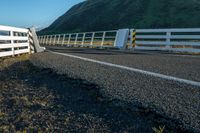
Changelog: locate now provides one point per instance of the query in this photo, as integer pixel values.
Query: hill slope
(93, 15)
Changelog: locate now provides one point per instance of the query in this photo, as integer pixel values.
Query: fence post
(69, 39)
(58, 41)
(29, 42)
(54, 41)
(92, 39)
(116, 38)
(76, 39)
(103, 39)
(44, 40)
(47, 40)
(134, 45)
(83, 40)
(63, 41)
(168, 40)
(132, 38)
(41, 39)
(12, 42)
(50, 39)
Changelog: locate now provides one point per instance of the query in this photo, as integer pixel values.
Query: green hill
(93, 15)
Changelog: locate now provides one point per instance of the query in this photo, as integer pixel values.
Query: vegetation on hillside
(93, 15)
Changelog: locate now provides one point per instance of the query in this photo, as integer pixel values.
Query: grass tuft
(159, 130)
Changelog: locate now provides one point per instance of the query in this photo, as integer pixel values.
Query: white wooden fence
(176, 40)
(13, 41)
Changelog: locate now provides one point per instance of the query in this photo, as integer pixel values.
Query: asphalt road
(183, 66)
(179, 101)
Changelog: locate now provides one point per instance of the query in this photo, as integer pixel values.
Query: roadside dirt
(39, 100)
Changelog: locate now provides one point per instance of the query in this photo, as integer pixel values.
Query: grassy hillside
(93, 15)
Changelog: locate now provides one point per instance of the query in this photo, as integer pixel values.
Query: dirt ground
(39, 100)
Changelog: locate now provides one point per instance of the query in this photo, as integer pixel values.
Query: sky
(38, 13)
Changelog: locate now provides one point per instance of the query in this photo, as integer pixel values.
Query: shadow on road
(39, 99)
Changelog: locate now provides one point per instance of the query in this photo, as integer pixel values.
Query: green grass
(94, 15)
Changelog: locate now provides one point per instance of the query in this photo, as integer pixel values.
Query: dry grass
(8, 61)
(159, 130)
(2, 115)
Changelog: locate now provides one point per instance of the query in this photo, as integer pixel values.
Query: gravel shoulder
(39, 100)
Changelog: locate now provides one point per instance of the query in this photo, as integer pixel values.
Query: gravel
(178, 102)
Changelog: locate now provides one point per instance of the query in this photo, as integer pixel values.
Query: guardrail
(13, 41)
(176, 40)
(91, 39)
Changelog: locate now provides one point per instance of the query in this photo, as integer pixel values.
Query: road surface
(167, 84)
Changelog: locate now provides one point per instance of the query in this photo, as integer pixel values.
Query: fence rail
(13, 41)
(92, 39)
(177, 40)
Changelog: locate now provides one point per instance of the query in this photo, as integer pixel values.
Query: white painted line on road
(190, 82)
